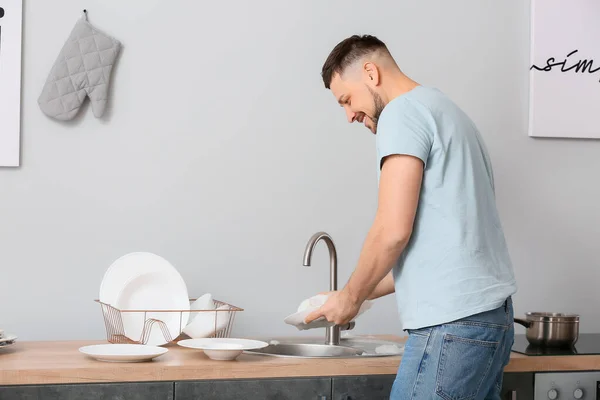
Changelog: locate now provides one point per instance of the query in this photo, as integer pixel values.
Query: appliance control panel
(567, 386)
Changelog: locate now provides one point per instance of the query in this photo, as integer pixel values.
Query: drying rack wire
(116, 333)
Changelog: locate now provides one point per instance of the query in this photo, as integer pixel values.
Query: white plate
(309, 305)
(127, 267)
(9, 337)
(157, 290)
(123, 352)
(225, 349)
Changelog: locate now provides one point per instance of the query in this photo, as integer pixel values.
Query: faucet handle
(347, 327)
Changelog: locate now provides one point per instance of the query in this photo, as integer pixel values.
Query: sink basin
(316, 348)
(308, 350)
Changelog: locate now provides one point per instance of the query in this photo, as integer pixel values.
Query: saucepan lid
(551, 317)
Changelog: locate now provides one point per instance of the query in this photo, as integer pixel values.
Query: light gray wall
(223, 153)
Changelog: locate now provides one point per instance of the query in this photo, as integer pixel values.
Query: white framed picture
(564, 95)
(11, 14)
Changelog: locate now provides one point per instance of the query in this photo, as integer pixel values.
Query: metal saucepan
(545, 329)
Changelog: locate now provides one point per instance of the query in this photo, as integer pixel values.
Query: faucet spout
(333, 332)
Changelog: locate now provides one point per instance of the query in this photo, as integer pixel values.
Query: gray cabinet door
(517, 386)
(255, 389)
(92, 391)
(372, 387)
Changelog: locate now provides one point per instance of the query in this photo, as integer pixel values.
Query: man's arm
(399, 188)
(383, 288)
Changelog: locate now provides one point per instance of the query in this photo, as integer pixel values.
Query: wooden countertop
(61, 362)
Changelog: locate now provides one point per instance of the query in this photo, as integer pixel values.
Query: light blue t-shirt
(456, 263)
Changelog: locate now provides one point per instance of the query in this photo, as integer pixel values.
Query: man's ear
(371, 74)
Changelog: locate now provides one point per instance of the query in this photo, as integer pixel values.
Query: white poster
(10, 82)
(565, 69)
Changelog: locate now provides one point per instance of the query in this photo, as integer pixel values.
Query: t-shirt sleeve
(404, 129)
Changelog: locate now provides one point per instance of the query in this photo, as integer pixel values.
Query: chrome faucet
(333, 332)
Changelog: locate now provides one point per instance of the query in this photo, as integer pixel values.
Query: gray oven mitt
(83, 68)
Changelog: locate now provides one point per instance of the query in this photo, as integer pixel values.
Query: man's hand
(339, 308)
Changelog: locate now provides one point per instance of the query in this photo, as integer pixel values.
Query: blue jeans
(464, 359)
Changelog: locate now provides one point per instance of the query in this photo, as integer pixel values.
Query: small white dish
(311, 304)
(123, 352)
(9, 337)
(222, 349)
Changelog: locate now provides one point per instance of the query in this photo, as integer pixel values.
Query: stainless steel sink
(316, 348)
(333, 345)
(309, 350)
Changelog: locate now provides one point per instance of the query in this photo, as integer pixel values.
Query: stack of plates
(6, 339)
(146, 281)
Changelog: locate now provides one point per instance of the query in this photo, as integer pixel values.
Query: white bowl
(204, 302)
(208, 323)
(223, 352)
(222, 349)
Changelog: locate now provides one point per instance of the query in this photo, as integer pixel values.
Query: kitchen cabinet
(255, 389)
(371, 387)
(517, 386)
(92, 391)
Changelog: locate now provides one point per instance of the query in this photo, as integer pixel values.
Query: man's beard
(378, 106)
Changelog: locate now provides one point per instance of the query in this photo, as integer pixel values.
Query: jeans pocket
(420, 332)
(463, 366)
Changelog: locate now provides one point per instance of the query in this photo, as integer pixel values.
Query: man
(436, 239)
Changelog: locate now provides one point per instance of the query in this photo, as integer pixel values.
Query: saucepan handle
(523, 322)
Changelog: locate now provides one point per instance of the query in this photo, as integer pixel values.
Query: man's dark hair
(346, 52)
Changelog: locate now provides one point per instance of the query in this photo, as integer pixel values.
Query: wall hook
(85, 14)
